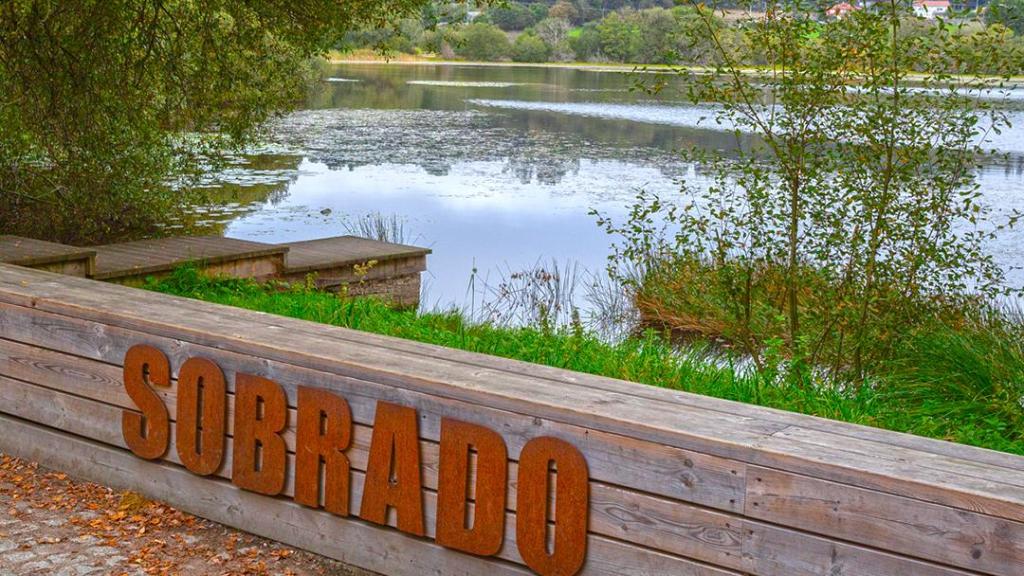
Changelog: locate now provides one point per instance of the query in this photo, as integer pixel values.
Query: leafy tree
(512, 16)
(693, 44)
(105, 104)
(486, 42)
(660, 33)
(621, 36)
(528, 47)
(849, 213)
(1009, 13)
(540, 11)
(587, 44)
(563, 10)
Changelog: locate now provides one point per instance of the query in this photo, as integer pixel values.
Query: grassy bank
(369, 56)
(959, 386)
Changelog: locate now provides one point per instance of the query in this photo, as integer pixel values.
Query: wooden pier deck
(357, 265)
(48, 256)
(227, 256)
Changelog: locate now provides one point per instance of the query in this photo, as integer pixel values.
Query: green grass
(963, 385)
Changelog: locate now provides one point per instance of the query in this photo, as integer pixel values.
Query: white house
(931, 8)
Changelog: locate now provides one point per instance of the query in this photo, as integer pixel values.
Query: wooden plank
(101, 422)
(619, 514)
(734, 437)
(977, 542)
(341, 251)
(164, 254)
(23, 251)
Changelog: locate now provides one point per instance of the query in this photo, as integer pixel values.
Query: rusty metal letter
(146, 434)
(323, 432)
(488, 524)
(395, 439)
(202, 411)
(571, 506)
(261, 414)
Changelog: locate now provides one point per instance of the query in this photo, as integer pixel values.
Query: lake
(494, 168)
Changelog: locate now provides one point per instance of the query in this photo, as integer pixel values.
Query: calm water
(493, 168)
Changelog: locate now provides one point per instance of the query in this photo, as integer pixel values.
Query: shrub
(513, 16)
(586, 45)
(486, 42)
(530, 48)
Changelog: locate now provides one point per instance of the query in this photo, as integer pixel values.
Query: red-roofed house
(840, 10)
(931, 8)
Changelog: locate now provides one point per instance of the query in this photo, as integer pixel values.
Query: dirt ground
(54, 525)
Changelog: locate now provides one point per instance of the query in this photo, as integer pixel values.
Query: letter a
(488, 525)
(395, 439)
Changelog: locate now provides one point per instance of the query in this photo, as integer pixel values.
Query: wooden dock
(358, 265)
(48, 256)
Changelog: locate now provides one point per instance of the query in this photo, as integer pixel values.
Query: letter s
(146, 434)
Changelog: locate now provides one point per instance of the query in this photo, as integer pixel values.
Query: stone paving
(53, 525)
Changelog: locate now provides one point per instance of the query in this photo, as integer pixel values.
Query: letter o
(571, 506)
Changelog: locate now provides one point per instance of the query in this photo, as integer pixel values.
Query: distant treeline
(633, 31)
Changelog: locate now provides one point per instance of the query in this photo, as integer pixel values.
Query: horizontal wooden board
(164, 254)
(956, 537)
(31, 252)
(340, 251)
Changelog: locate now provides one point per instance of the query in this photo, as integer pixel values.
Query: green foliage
(480, 41)
(660, 36)
(853, 216)
(529, 47)
(1009, 13)
(923, 409)
(586, 45)
(621, 37)
(108, 108)
(972, 372)
(512, 16)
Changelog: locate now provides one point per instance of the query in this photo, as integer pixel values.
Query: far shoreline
(371, 58)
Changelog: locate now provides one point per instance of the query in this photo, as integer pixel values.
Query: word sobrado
(323, 475)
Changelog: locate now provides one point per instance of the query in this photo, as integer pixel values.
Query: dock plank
(340, 251)
(22, 251)
(165, 254)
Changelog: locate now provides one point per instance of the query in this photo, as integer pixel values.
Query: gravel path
(51, 524)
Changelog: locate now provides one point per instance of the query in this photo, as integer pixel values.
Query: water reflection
(492, 167)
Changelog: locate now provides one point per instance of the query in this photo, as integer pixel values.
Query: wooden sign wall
(409, 459)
